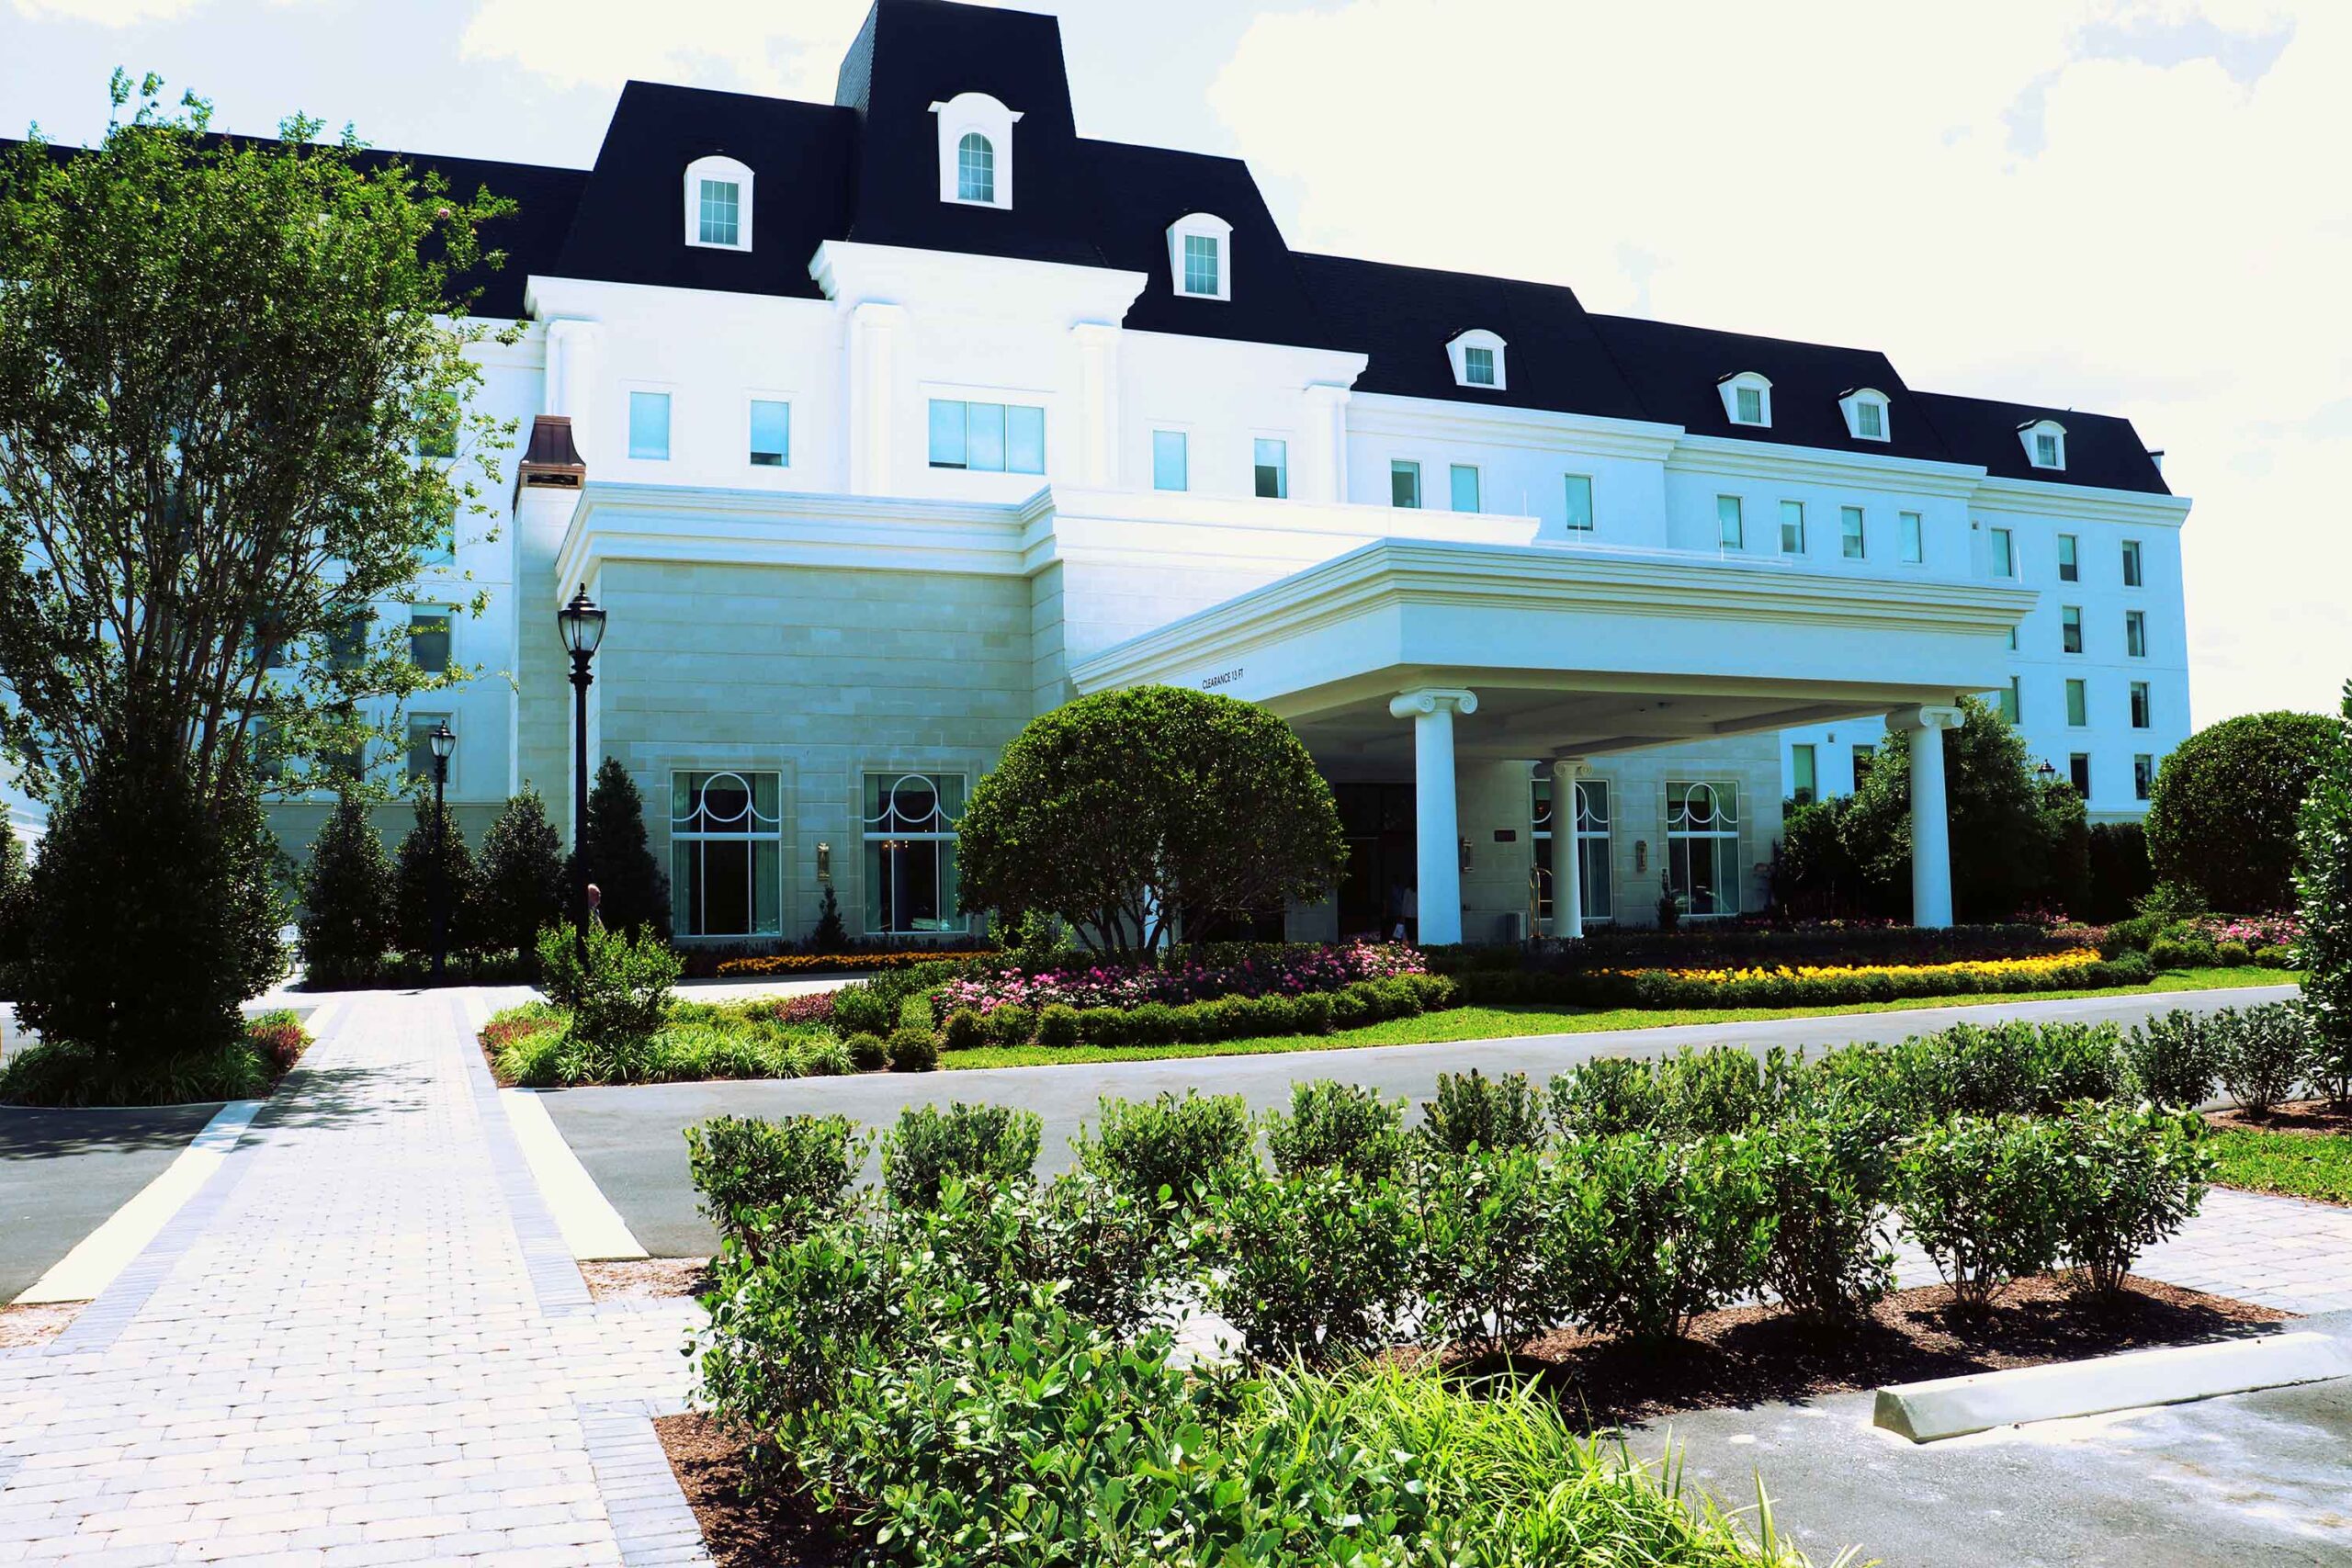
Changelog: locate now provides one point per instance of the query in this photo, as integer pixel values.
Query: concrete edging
(2173, 1375)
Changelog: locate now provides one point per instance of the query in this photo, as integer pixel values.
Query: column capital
(1432, 699)
(1567, 767)
(1926, 719)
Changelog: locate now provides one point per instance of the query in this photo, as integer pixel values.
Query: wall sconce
(1465, 857)
(1640, 855)
(824, 862)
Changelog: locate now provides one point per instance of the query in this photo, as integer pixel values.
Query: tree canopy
(1122, 812)
(234, 384)
(2323, 881)
(2222, 819)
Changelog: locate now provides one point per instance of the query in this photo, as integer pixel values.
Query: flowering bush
(767, 966)
(280, 1038)
(2254, 931)
(1996, 971)
(1189, 975)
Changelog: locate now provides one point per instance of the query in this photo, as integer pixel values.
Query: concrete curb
(2174, 1375)
(592, 1227)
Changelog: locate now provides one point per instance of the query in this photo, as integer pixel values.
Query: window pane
(421, 727)
(2003, 560)
(2010, 701)
(2130, 563)
(1914, 550)
(2069, 569)
(2078, 773)
(1024, 440)
(1168, 461)
(2143, 776)
(649, 425)
(1750, 402)
(428, 637)
(1850, 531)
(1405, 484)
(946, 434)
(2070, 627)
(1272, 460)
(975, 169)
(984, 437)
(1478, 365)
(1579, 504)
(1801, 769)
(2136, 634)
(1792, 527)
(770, 433)
(1465, 488)
(2078, 703)
(2140, 705)
(1870, 419)
(2045, 451)
(1731, 533)
(721, 211)
(1201, 264)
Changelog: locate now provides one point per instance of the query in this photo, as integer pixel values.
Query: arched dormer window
(1747, 398)
(2045, 442)
(1200, 256)
(1477, 356)
(1865, 411)
(974, 151)
(718, 204)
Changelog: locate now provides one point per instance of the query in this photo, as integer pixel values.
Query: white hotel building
(881, 426)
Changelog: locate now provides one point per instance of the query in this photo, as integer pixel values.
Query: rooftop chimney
(550, 461)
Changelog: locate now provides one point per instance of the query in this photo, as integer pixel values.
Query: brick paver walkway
(363, 1342)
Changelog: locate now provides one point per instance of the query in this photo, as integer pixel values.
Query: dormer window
(1200, 256)
(2045, 442)
(1478, 361)
(1747, 398)
(718, 204)
(1865, 409)
(974, 151)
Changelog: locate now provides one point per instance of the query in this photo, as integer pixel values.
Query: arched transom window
(974, 151)
(976, 169)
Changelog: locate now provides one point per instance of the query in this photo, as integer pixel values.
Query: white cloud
(788, 48)
(2122, 205)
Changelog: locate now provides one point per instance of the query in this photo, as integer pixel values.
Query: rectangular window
(910, 826)
(1792, 527)
(1730, 532)
(1271, 459)
(2045, 451)
(421, 727)
(770, 433)
(2070, 568)
(1403, 484)
(1801, 779)
(1914, 545)
(2010, 701)
(987, 438)
(1465, 488)
(2013, 639)
(1850, 531)
(1870, 420)
(2005, 558)
(2078, 774)
(428, 637)
(2130, 563)
(1749, 401)
(720, 214)
(1171, 469)
(2143, 776)
(649, 426)
(441, 550)
(2070, 627)
(1478, 365)
(726, 854)
(1702, 846)
(347, 642)
(1200, 265)
(2078, 705)
(1579, 488)
(2135, 633)
(2142, 716)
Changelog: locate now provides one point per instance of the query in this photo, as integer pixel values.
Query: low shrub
(2082, 970)
(1979, 1194)
(1336, 1127)
(913, 1051)
(964, 1032)
(1606, 1096)
(992, 1144)
(2173, 1059)
(860, 1009)
(67, 1073)
(1654, 1232)
(1010, 1026)
(278, 1037)
(1719, 1090)
(766, 1184)
(2125, 1177)
(1825, 1179)
(867, 1053)
(1314, 1267)
(1492, 1113)
(2263, 1054)
(618, 988)
(1486, 1245)
(822, 1057)
(1057, 1025)
(1186, 1145)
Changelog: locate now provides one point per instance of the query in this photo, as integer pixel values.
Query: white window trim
(757, 829)
(1478, 478)
(791, 428)
(2026, 433)
(1282, 438)
(1206, 226)
(1730, 387)
(1852, 403)
(867, 834)
(1921, 519)
(1457, 352)
(1155, 430)
(960, 116)
(718, 166)
(669, 391)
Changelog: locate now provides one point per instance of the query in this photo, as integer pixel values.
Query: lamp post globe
(443, 741)
(581, 622)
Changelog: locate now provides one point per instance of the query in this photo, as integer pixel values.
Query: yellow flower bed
(2008, 969)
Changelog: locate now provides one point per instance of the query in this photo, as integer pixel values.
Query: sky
(2135, 207)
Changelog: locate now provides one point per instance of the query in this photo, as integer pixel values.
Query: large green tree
(1119, 813)
(433, 870)
(518, 888)
(2323, 881)
(632, 886)
(232, 383)
(2222, 820)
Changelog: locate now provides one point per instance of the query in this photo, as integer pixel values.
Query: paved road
(2250, 1481)
(62, 1172)
(630, 1139)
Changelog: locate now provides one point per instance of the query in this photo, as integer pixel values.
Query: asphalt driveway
(631, 1139)
(63, 1173)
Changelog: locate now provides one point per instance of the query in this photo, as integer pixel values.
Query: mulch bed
(2315, 1117)
(1752, 1355)
(646, 1279)
(36, 1323)
(739, 1532)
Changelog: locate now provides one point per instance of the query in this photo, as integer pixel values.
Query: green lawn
(2300, 1165)
(1506, 1023)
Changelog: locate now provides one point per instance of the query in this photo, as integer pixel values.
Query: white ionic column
(1930, 821)
(1322, 472)
(1567, 866)
(1098, 389)
(1437, 832)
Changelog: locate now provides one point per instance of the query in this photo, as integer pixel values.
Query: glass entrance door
(1378, 822)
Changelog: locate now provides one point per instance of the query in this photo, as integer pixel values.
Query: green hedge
(1228, 1017)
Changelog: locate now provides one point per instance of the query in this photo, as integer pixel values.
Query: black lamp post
(582, 622)
(443, 741)
(2046, 771)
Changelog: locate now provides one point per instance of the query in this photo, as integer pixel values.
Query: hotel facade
(881, 426)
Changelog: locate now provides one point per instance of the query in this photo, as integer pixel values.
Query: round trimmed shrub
(1058, 1025)
(967, 1030)
(914, 1051)
(2222, 821)
(866, 1052)
(1009, 1025)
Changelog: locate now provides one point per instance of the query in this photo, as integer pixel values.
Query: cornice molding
(1814, 465)
(1387, 413)
(2039, 498)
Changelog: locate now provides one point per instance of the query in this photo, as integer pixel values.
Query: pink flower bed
(1257, 972)
(2254, 931)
